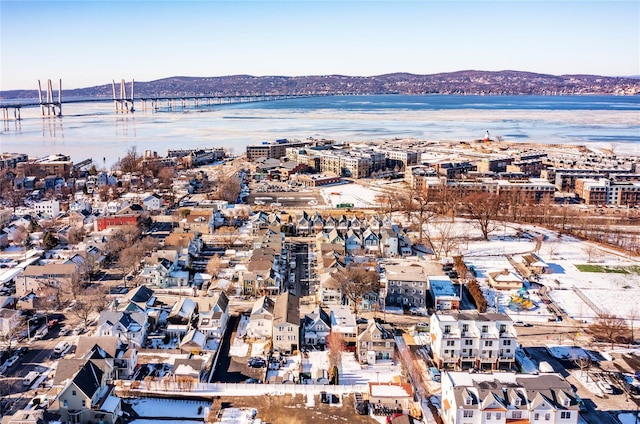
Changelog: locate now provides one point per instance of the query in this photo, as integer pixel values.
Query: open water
(94, 130)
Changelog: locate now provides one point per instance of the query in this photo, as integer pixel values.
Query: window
(468, 342)
(65, 403)
(547, 416)
(73, 392)
(507, 342)
(516, 414)
(447, 329)
(84, 403)
(488, 343)
(488, 416)
(536, 416)
(465, 327)
(451, 342)
(485, 328)
(498, 415)
(565, 415)
(467, 414)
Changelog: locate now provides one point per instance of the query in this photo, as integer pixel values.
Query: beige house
(505, 280)
(286, 323)
(395, 396)
(85, 398)
(46, 280)
(375, 343)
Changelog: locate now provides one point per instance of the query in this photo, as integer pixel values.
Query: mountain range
(461, 82)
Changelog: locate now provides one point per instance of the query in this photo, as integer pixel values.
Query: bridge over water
(124, 103)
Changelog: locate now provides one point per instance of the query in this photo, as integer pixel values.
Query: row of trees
(429, 211)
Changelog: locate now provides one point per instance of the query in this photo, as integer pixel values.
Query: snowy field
(356, 194)
(615, 293)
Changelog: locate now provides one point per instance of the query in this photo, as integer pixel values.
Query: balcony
(488, 336)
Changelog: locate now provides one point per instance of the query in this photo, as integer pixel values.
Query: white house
(129, 327)
(49, 208)
(503, 398)
(153, 202)
(469, 339)
(261, 319)
(316, 327)
(213, 323)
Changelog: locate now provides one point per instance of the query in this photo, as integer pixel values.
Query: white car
(78, 330)
(64, 331)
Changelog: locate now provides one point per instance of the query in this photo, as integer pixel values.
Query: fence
(165, 388)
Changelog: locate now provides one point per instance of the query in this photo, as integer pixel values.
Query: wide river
(94, 130)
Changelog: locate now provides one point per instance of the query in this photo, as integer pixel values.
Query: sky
(88, 43)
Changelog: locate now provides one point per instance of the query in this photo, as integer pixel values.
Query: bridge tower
(49, 107)
(122, 103)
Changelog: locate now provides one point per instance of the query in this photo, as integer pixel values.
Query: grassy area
(608, 269)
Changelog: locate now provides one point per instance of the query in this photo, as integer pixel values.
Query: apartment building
(407, 286)
(502, 398)
(606, 192)
(467, 339)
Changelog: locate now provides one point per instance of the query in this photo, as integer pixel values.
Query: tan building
(286, 323)
(505, 280)
(375, 343)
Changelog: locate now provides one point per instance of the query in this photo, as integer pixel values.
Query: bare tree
(356, 281)
(416, 205)
(582, 361)
(609, 327)
(592, 253)
(633, 315)
(229, 188)
(228, 235)
(214, 266)
(8, 337)
(335, 345)
(130, 162)
(484, 209)
(442, 236)
(75, 235)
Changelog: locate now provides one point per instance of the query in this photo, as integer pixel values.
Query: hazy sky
(89, 43)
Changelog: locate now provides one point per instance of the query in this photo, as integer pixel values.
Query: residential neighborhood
(358, 292)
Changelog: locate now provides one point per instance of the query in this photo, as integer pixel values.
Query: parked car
(22, 351)
(64, 331)
(605, 387)
(12, 361)
(522, 324)
(256, 363)
(78, 330)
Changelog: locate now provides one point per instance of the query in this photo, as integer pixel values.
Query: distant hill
(462, 82)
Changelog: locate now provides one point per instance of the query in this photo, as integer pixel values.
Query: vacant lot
(289, 409)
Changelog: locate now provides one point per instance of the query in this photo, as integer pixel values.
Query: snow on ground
(257, 349)
(610, 292)
(170, 408)
(238, 347)
(588, 382)
(356, 194)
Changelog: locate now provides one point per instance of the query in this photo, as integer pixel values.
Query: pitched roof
(89, 379)
(287, 309)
